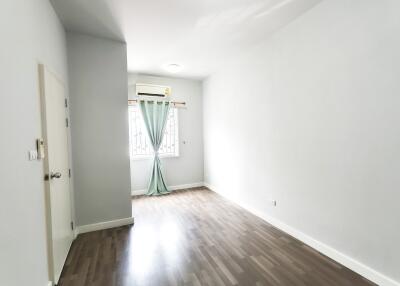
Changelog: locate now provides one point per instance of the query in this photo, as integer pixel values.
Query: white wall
(30, 34)
(188, 167)
(311, 119)
(99, 126)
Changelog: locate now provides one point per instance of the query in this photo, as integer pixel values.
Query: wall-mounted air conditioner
(153, 91)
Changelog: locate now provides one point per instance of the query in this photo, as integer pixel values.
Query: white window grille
(139, 142)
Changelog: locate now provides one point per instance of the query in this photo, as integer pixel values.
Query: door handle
(56, 175)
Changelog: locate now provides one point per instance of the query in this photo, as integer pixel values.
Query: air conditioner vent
(152, 91)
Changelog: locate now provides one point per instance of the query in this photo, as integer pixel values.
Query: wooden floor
(197, 238)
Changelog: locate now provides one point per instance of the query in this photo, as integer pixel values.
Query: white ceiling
(200, 35)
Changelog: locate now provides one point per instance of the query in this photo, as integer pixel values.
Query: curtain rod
(173, 102)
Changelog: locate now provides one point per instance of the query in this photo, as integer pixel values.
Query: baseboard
(172, 188)
(332, 253)
(75, 232)
(49, 283)
(138, 192)
(104, 225)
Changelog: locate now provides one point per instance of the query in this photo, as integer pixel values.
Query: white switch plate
(33, 155)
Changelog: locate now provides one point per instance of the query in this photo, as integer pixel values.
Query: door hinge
(72, 225)
(66, 103)
(66, 122)
(69, 173)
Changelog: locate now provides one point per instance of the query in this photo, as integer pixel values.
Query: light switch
(33, 155)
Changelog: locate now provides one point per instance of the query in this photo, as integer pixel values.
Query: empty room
(200, 142)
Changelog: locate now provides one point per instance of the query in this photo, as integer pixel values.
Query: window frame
(151, 156)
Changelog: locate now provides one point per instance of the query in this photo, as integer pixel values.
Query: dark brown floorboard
(196, 237)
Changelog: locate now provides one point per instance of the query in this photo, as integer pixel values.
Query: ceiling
(200, 35)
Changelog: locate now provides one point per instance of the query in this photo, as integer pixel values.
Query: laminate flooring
(195, 237)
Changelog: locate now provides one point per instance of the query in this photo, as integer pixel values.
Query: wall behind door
(30, 34)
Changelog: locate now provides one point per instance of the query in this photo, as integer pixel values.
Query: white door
(56, 167)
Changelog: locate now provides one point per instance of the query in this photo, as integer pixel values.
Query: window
(139, 142)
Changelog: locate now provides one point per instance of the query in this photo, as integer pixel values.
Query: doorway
(56, 170)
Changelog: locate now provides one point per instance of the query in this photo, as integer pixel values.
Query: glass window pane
(139, 143)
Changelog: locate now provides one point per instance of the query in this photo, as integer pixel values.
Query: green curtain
(155, 117)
